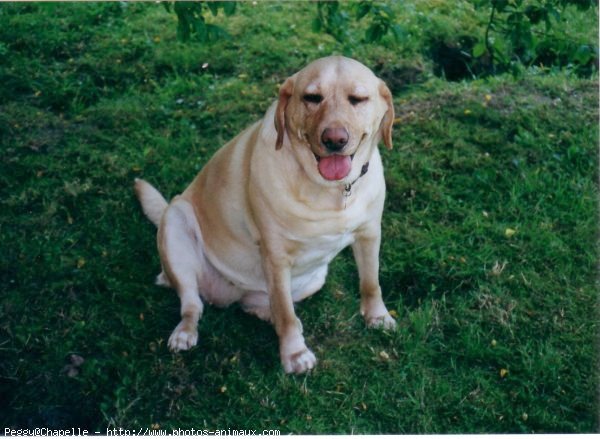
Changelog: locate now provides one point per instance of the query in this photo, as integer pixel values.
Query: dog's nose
(334, 139)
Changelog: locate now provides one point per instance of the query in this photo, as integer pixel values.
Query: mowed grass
(489, 254)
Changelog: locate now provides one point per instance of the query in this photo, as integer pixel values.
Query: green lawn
(489, 255)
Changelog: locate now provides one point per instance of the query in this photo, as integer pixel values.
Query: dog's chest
(322, 234)
(317, 251)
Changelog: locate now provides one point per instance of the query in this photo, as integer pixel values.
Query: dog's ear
(387, 123)
(285, 92)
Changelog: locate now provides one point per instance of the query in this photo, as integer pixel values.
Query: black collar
(348, 187)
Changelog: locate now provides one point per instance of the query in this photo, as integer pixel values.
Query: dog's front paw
(385, 321)
(184, 337)
(299, 362)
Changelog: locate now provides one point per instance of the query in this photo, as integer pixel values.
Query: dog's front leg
(366, 254)
(295, 356)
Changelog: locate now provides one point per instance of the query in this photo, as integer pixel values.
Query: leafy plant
(334, 20)
(520, 33)
(191, 19)
(331, 20)
(517, 33)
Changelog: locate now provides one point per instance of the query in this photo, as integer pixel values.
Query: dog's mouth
(334, 167)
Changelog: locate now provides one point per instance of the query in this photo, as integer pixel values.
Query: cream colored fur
(260, 224)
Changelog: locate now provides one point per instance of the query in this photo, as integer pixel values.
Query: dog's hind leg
(181, 250)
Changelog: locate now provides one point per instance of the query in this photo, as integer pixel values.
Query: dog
(269, 211)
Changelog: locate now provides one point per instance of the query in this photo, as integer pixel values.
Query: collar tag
(348, 188)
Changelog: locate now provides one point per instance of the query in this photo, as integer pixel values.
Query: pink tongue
(335, 167)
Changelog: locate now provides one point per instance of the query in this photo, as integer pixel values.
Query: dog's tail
(153, 203)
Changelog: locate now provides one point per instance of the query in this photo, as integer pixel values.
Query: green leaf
(479, 49)
(317, 25)
(183, 31)
(229, 8)
(201, 30)
(362, 9)
(383, 14)
(536, 13)
(500, 50)
(374, 33)
(213, 8)
(583, 54)
(500, 5)
(215, 32)
(397, 31)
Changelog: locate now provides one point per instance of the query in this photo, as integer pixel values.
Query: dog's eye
(355, 100)
(312, 98)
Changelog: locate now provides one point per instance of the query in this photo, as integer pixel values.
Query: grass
(489, 256)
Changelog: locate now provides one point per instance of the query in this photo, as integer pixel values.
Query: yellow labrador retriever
(265, 216)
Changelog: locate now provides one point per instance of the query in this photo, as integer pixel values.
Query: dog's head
(334, 113)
